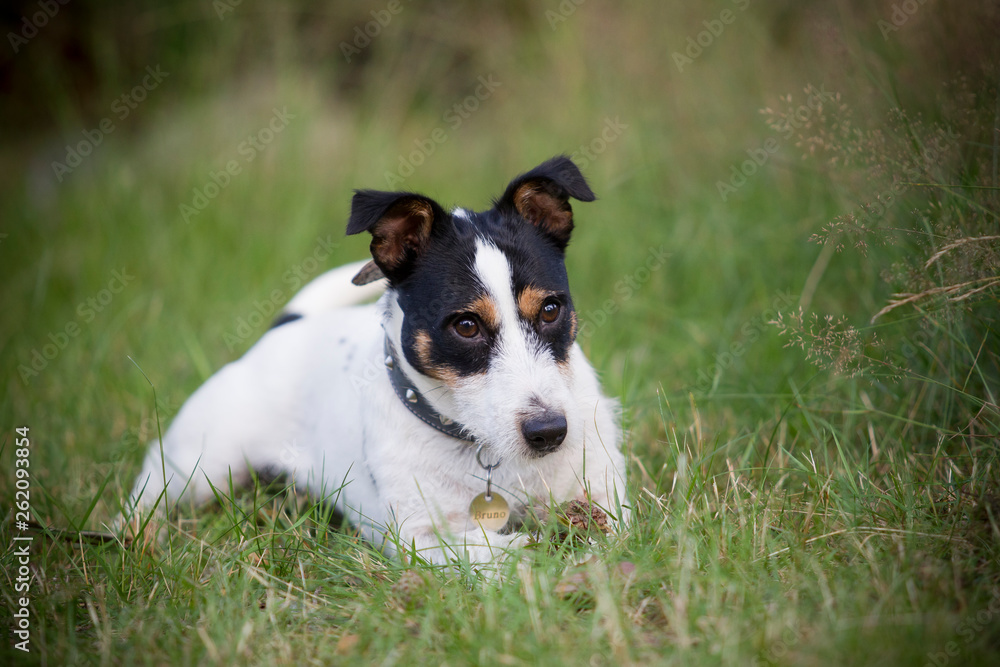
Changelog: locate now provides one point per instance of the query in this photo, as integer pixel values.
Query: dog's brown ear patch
(400, 224)
(402, 231)
(542, 195)
(552, 215)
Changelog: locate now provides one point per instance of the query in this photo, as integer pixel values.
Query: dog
(436, 418)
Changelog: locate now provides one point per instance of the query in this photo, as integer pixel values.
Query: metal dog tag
(490, 511)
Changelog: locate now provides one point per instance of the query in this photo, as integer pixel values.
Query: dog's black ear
(400, 224)
(541, 197)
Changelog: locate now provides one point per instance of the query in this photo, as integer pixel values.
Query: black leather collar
(415, 401)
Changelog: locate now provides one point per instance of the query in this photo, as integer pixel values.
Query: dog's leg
(476, 546)
(233, 423)
(185, 469)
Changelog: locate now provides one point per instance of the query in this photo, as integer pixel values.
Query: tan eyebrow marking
(530, 301)
(487, 311)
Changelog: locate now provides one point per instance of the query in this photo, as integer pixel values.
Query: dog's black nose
(544, 433)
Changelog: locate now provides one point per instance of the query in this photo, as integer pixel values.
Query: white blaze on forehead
(494, 273)
(522, 379)
(460, 212)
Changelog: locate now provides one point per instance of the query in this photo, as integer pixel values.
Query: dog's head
(481, 305)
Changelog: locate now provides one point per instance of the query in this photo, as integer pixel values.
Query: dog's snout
(545, 432)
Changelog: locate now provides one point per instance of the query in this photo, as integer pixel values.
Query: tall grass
(814, 486)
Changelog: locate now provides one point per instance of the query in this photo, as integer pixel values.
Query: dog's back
(331, 290)
(260, 411)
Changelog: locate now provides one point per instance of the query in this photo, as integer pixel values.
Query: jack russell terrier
(436, 418)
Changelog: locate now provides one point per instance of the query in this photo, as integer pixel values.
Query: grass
(821, 492)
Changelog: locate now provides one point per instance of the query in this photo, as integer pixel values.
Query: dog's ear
(541, 197)
(400, 224)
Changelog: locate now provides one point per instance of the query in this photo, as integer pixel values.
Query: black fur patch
(434, 273)
(444, 284)
(284, 318)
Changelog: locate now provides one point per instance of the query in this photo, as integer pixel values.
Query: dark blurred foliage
(85, 53)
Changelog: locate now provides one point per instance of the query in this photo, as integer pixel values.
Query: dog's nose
(544, 433)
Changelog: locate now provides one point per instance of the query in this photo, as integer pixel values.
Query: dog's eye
(466, 327)
(550, 312)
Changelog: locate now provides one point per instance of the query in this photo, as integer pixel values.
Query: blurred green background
(170, 173)
(121, 121)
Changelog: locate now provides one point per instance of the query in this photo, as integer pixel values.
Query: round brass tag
(491, 514)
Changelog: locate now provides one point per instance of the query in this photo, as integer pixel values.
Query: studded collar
(415, 401)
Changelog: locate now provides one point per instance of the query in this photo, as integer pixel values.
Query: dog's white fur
(312, 399)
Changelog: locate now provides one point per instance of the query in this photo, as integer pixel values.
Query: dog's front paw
(498, 549)
(475, 547)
